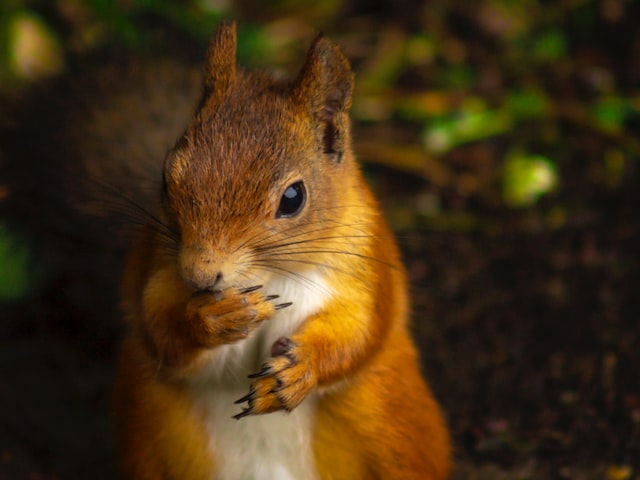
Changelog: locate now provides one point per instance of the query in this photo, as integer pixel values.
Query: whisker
(324, 265)
(258, 239)
(131, 209)
(274, 245)
(295, 276)
(251, 279)
(302, 232)
(278, 256)
(260, 236)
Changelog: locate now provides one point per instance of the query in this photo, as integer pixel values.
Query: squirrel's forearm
(339, 341)
(161, 321)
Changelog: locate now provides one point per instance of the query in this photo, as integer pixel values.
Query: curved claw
(245, 412)
(250, 289)
(247, 398)
(266, 370)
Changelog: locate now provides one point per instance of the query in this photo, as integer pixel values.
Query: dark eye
(292, 200)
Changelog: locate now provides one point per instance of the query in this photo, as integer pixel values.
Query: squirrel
(267, 305)
(265, 301)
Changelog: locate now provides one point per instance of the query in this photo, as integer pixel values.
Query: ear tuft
(325, 83)
(220, 67)
(325, 87)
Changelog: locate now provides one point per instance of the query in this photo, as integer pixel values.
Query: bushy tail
(81, 164)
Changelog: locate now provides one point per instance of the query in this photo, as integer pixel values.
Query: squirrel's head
(264, 170)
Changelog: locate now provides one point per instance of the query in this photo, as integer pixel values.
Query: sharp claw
(250, 289)
(247, 398)
(243, 413)
(266, 369)
(271, 297)
(283, 305)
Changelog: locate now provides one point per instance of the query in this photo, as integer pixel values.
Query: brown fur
(252, 137)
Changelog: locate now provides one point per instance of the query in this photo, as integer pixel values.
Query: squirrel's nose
(202, 281)
(201, 271)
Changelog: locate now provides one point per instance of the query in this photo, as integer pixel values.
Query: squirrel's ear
(220, 67)
(325, 86)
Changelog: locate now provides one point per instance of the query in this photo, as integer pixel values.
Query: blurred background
(502, 140)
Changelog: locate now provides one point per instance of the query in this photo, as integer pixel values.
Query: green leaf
(551, 45)
(527, 103)
(526, 178)
(14, 267)
(472, 123)
(610, 113)
(33, 50)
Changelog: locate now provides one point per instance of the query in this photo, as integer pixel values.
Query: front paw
(283, 382)
(217, 318)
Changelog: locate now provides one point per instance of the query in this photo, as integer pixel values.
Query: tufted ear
(220, 66)
(324, 88)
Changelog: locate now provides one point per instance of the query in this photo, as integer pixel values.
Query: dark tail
(81, 165)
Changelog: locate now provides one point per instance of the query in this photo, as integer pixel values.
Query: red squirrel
(267, 305)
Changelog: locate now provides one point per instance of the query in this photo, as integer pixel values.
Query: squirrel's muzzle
(203, 269)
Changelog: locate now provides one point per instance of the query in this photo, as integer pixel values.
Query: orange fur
(350, 359)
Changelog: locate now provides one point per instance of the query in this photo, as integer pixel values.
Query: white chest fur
(275, 446)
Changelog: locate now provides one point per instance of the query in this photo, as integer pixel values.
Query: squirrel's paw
(229, 316)
(283, 382)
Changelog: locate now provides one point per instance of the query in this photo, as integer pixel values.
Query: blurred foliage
(14, 265)
(526, 178)
(33, 50)
(486, 103)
